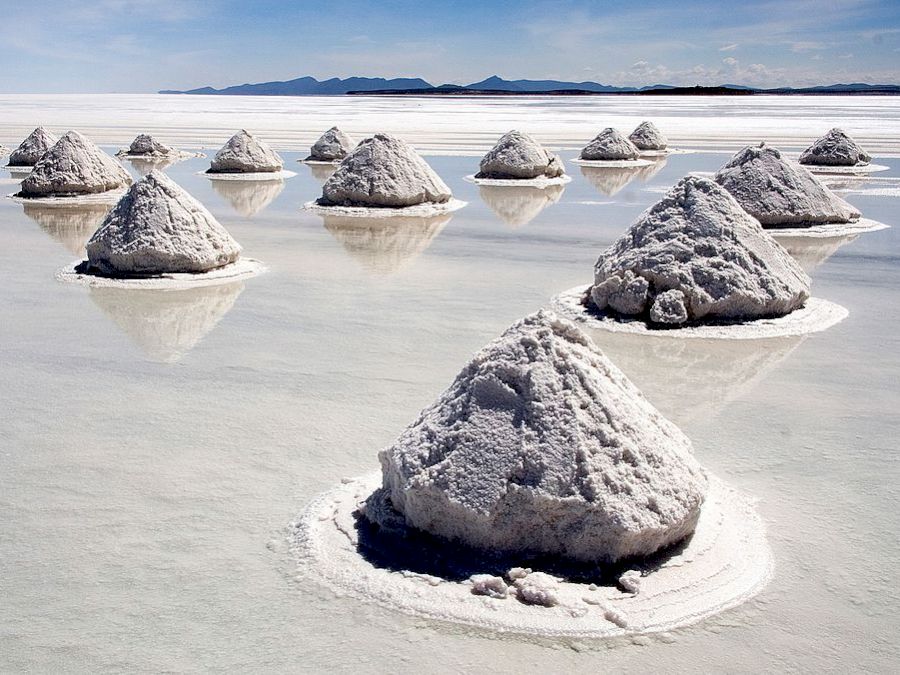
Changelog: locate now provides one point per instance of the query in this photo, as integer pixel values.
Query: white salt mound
(835, 148)
(32, 148)
(333, 144)
(158, 228)
(537, 588)
(518, 156)
(647, 137)
(245, 153)
(146, 146)
(542, 445)
(383, 171)
(609, 145)
(74, 166)
(778, 193)
(489, 585)
(697, 256)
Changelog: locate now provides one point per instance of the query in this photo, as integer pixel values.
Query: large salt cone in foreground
(383, 171)
(696, 255)
(32, 148)
(245, 153)
(74, 166)
(610, 145)
(334, 144)
(158, 228)
(835, 148)
(518, 156)
(144, 145)
(780, 194)
(647, 137)
(542, 445)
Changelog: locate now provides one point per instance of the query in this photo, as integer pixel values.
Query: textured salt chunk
(333, 144)
(778, 193)
(146, 146)
(608, 145)
(631, 581)
(518, 573)
(32, 148)
(74, 166)
(699, 242)
(245, 153)
(518, 156)
(489, 585)
(835, 148)
(647, 137)
(383, 171)
(158, 228)
(542, 445)
(538, 588)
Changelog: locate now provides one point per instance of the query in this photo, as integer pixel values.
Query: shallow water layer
(154, 447)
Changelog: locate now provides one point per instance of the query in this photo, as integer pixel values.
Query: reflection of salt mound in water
(322, 172)
(70, 226)
(518, 204)
(166, 324)
(835, 148)
(32, 148)
(248, 197)
(385, 245)
(144, 165)
(647, 172)
(610, 180)
(811, 252)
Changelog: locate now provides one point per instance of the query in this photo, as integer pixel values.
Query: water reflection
(517, 205)
(811, 252)
(70, 226)
(145, 165)
(611, 180)
(248, 198)
(322, 172)
(385, 245)
(166, 325)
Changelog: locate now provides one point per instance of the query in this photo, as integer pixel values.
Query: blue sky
(145, 45)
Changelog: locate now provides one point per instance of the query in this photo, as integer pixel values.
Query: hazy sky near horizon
(146, 45)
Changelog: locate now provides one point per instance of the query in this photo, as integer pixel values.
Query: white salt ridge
(245, 153)
(540, 182)
(242, 268)
(613, 163)
(648, 137)
(857, 170)
(332, 146)
(609, 145)
(517, 156)
(835, 148)
(32, 148)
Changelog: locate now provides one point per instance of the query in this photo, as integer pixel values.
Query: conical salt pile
(244, 153)
(778, 193)
(610, 145)
(518, 156)
(144, 145)
(542, 445)
(383, 171)
(696, 255)
(647, 137)
(333, 145)
(158, 228)
(835, 148)
(74, 166)
(32, 148)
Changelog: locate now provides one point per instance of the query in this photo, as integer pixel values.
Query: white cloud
(729, 48)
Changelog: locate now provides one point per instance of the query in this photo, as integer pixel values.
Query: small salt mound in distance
(245, 153)
(835, 148)
(648, 137)
(144, 145)
(541, 445)
(609, 145)
(383, 171)
(32, 148)
(74, 166)
(697, 256)
(158, 228)
(780, 194)
(333, 145)
(518, 156)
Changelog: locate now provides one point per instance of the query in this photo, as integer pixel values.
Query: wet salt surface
(153, 449)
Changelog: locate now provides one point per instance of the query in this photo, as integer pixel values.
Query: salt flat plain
(154, 448)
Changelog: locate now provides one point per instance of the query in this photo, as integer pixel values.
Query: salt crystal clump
(332, 145)
(74, 166)
(696, 255)
(383, 171)
(158, 228)
(245, 153)
(489, 585)
(542, 445)
(518, 156)
(631, 581)
(778, 193)
(610, 145)
(145, 145)
(538, 588)
(835, 148)
(647, 137)
(32, 148)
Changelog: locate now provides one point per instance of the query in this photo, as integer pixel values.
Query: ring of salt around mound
(612, 162)
(539, 182)
(665, 152)
(242, 268)
(725, 563)
(177, 155)
(857, 170)
(321, 162)
(815, 316)
(260, 175)
(19, 170)
(108, 197)
(860, 226)
(417, 210)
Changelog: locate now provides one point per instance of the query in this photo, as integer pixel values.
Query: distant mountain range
(495, 85)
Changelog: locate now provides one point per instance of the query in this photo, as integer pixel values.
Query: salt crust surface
(419, 210)
(815, 316)
(108, 197)
(261, 176)
(725, 563)
(617, 163)
(243, 268)
(539, 182)
(860, 226)
(858, 170)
